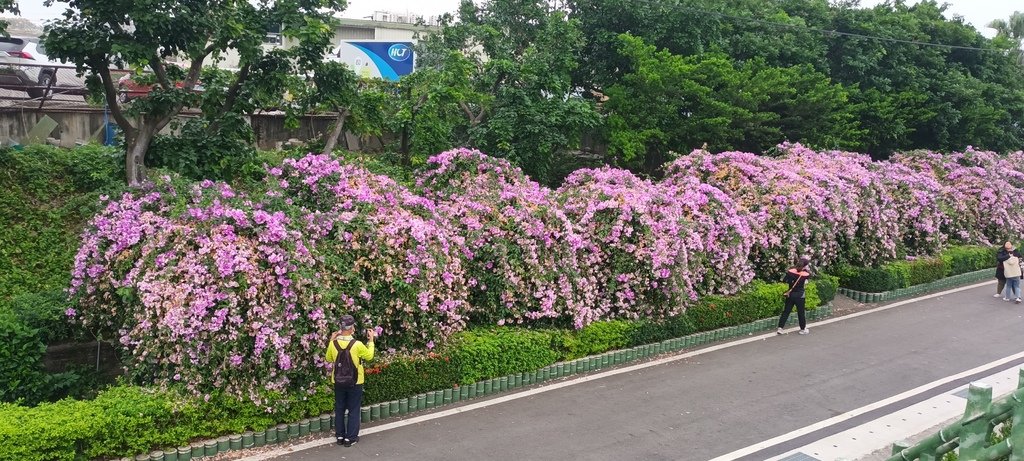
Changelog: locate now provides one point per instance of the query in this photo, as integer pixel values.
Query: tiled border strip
(434, 399)
(948, 282)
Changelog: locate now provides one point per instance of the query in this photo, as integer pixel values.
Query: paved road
(710, 405)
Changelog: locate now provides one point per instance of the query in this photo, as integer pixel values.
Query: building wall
(350, 29)
(395, 35)
(82, 126)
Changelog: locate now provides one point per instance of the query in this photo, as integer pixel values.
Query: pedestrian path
(709, 404)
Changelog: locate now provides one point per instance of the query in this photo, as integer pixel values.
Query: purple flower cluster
(202, 286)
(519, 246)
(978, 193)
(220, 289)
(634, 248)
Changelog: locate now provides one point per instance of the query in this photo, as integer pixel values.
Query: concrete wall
(72, 127)
(79, 126)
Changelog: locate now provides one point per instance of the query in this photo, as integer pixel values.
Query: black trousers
(347, 398)
(800, 313)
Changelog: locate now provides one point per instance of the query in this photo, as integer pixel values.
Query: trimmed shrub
(650, 331)
(501, 351)
(407, 376)
(127, 420)
(923, 271)
(827, 286)
(868, 279)
(599, 337)
(758, 301)
(964, 259)
(905, 274)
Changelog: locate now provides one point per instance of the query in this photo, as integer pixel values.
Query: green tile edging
(948, 282)
(401, 407)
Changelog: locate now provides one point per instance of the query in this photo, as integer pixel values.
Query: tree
(335, 88)
(522, 104)
(912, 96)
(666, 102)
(7, 6)
(1012, 27)
(97, 35)
(433, 108)
(869, 87)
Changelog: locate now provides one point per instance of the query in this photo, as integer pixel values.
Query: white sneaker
(1006, 299)
(779, 332)
(805, 331)
(1017, 301)
(995, 295)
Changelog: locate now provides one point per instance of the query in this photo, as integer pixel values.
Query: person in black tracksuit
(1002, 255)
(795, 278)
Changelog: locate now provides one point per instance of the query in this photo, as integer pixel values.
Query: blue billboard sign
(376, 59)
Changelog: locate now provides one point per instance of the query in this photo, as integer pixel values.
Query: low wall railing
(972, 436)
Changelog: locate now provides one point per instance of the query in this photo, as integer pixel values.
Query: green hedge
(127, 420)
(757, 301)
(904, 274)
(406, 376)
(499, 351)
(827, 286)
(28, 323)
(964, 259)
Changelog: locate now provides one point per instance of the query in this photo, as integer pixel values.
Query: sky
(977, 12)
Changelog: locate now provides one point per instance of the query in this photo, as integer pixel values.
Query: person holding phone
(345, 354)
(795, 278)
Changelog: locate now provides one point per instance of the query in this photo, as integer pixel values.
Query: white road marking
(583, 379)
(859, 411)
(865, 439)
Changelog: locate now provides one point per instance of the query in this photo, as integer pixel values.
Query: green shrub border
(948, 282)
(896, 275)
(434, 399)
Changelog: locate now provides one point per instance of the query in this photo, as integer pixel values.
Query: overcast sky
(977, 12)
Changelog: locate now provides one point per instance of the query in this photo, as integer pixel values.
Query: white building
(382, 26)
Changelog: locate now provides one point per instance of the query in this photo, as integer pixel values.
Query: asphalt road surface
(707, 406)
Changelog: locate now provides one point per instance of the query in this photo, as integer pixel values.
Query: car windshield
(41, 48)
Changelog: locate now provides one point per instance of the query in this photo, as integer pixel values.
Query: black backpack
(345, 373)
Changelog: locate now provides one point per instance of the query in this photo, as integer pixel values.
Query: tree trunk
(135, 162)
(339, 126)
(403, 149)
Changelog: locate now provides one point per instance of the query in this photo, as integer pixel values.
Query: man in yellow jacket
(345, 354)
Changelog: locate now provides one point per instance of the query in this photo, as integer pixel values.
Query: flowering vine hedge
(218, 288)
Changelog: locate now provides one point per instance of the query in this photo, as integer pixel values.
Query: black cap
(347, 321)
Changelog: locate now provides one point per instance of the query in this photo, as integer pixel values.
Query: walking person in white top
(1012, 271)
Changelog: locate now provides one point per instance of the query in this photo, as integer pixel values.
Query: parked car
(23, 61)
(128, 89)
